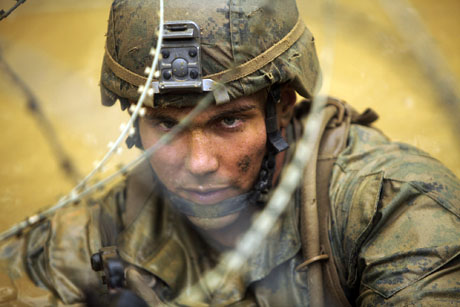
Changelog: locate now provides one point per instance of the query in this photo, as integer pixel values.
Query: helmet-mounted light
(180, 64)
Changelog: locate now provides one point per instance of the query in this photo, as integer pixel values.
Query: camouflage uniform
(394, 231)
(395, 238)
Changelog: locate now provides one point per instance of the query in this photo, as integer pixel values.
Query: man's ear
(285, 108)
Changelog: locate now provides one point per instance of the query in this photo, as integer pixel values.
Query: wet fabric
(395, 234)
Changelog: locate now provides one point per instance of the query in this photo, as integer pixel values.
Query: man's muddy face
(217, 157)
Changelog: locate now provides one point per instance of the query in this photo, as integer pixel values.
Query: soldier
(388, 213)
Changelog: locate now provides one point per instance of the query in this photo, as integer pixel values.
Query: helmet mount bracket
(180, 62)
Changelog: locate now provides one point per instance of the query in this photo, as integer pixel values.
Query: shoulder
(55, 255)
(77, 232)
(73, 235)
(392, 206)
(51, 261)
(371, 157)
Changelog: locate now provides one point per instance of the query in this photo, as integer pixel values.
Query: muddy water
(57, 50)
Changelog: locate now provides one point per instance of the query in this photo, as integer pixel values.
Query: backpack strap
(323, 277)
(333, 142)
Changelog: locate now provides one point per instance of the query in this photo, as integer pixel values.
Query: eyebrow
(159, 115)
(233, 111)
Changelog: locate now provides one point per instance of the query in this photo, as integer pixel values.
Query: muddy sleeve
(50, 264)
(411, 254)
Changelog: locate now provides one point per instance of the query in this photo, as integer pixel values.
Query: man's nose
(201, 158)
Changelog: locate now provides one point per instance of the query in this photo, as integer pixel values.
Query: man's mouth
(206, 195)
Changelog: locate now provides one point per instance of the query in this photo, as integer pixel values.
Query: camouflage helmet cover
(232, 33)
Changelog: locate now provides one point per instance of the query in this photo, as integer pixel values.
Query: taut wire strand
(4, 14)
(76, 192)
(34, 106)
(290, 178)
(165, 139)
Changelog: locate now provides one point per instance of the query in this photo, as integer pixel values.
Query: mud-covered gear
(245, 45)
(394, 229)
(110, 265)
(179, 66)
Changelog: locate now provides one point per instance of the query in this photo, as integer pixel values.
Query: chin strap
(225, 207)
(231, 205)
(275, 144)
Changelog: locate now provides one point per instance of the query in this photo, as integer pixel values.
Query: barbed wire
(261, 226)
(75, 198)
(34, 106)
(80, 190)
(144, 90)
(234, 261)
(4, 14)
(254, 237)
(429, 57)
(291, 175)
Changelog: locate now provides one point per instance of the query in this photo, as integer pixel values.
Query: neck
(228, 236)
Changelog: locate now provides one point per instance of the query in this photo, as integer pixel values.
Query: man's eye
(230, 122)
(166, 125)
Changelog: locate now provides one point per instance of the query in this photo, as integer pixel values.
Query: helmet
(244, 45)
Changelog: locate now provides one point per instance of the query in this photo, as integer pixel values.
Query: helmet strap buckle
(276, 142)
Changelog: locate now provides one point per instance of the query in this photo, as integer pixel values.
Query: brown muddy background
(57, 47)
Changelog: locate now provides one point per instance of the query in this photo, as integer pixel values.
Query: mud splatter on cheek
(243, 164)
